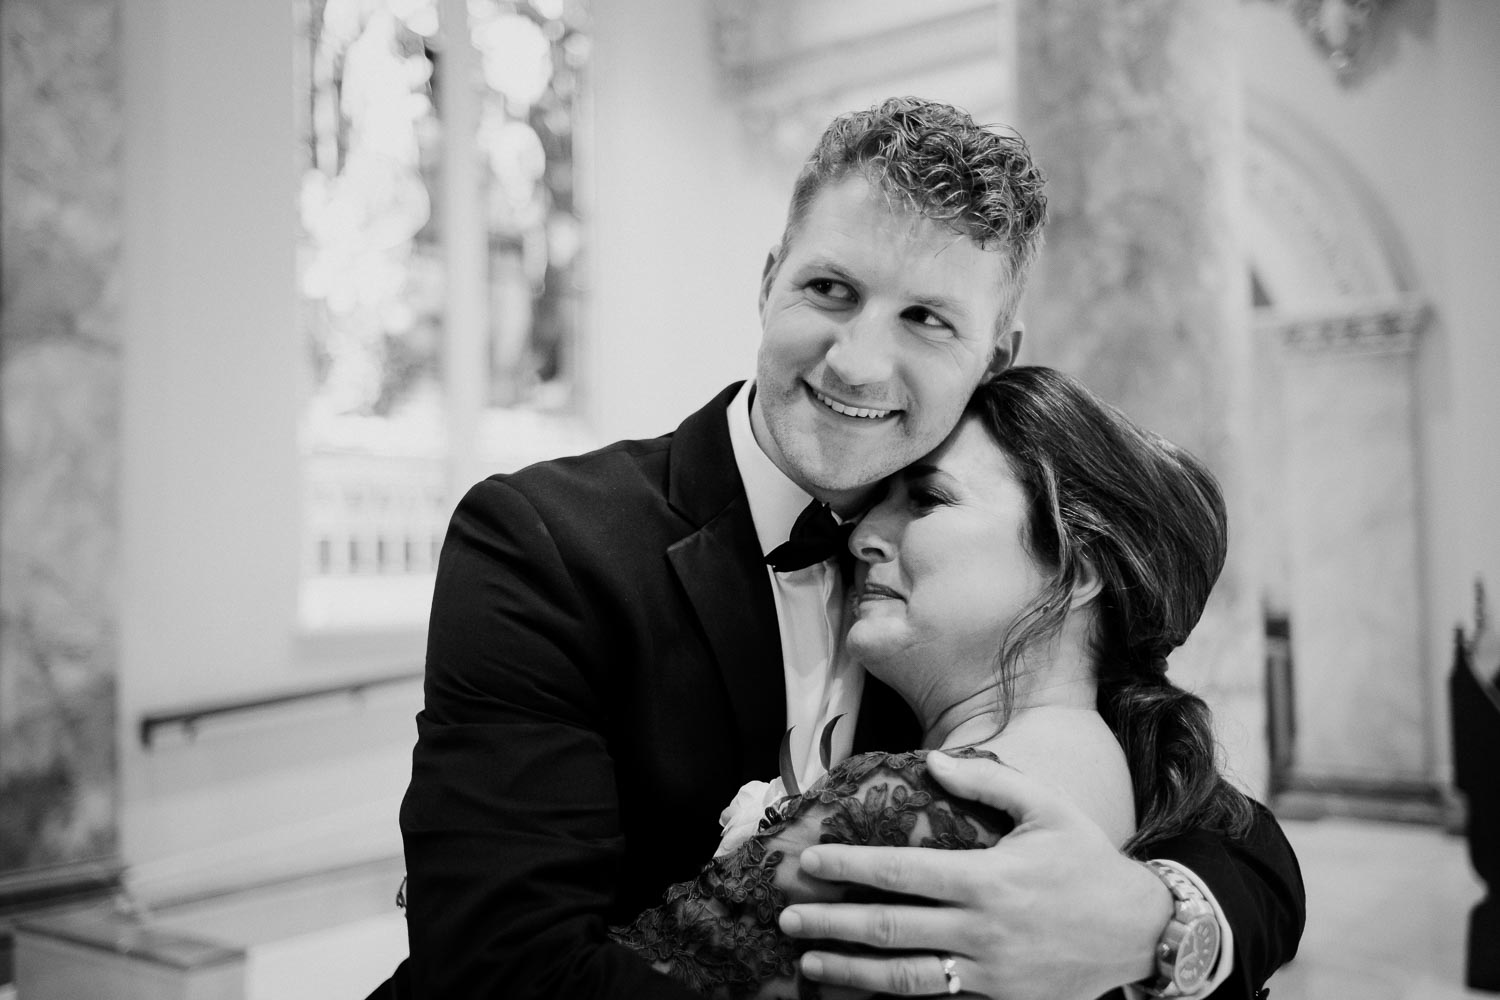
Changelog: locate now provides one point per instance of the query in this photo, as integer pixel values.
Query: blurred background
(281, 279)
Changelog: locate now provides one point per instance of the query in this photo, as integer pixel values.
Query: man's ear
(1007, 346)
(1086, 585)
(768, 275)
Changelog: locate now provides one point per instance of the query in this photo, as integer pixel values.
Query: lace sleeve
(717, 933)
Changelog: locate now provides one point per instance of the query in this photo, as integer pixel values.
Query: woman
(1020, 588)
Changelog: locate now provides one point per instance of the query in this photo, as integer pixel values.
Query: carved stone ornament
(1384, 328)
(1337, 28)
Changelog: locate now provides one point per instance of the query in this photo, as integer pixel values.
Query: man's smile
(863, 413)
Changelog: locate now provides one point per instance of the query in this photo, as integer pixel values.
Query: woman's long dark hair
(1149, 519)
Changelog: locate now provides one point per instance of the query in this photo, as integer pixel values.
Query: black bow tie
(816, 536)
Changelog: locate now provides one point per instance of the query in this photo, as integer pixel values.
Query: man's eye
(829, 289)
(923, 316)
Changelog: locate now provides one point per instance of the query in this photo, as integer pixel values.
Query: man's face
(877, 325)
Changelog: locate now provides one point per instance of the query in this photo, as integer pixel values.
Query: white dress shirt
(820, 684)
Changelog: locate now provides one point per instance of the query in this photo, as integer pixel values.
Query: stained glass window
(440, 272)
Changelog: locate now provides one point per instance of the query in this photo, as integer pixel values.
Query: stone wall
(59, 412)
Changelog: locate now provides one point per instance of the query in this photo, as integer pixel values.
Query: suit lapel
(720, 569)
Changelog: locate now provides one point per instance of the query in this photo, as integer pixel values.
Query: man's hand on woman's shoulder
(1053, 910)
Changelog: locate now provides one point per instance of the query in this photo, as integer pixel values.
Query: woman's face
(943, 571)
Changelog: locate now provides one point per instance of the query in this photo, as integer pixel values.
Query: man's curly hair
(933, 159)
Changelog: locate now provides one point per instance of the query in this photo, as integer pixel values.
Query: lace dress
(717, 933)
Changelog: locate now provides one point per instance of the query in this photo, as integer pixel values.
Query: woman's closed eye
(923, 495)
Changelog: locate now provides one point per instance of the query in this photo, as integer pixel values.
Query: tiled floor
(1387, 913)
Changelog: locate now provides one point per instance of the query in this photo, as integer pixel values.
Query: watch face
(1196, 954)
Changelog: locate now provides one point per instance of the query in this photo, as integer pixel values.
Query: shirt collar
(775, 501)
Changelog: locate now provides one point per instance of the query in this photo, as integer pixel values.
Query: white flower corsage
(741, 818)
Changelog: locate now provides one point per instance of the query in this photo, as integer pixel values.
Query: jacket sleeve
(511, 821)
(1258, 883)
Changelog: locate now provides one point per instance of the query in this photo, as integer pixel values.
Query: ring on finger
(955, 984)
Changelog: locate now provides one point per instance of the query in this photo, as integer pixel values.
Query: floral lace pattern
(717, 933)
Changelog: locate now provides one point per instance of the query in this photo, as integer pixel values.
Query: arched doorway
(1337, 324)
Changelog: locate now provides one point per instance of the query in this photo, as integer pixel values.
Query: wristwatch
(1188, 948)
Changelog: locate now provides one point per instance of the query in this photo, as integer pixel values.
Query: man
(610, 658)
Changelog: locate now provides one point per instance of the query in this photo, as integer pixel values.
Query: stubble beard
(823, 465)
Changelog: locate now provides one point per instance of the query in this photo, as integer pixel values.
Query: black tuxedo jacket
(603, 673)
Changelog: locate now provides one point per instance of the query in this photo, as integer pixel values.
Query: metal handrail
(189, 717)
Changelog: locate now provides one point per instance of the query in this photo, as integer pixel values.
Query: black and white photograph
(749, 499)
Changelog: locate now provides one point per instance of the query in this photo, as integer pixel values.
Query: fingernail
(791, 922)
(811, 862)
(812, 966)
(939, 761)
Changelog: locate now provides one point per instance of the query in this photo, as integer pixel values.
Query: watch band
(1188, 948)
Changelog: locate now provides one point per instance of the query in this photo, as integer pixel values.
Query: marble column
(60, 226)
(1132, 109)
